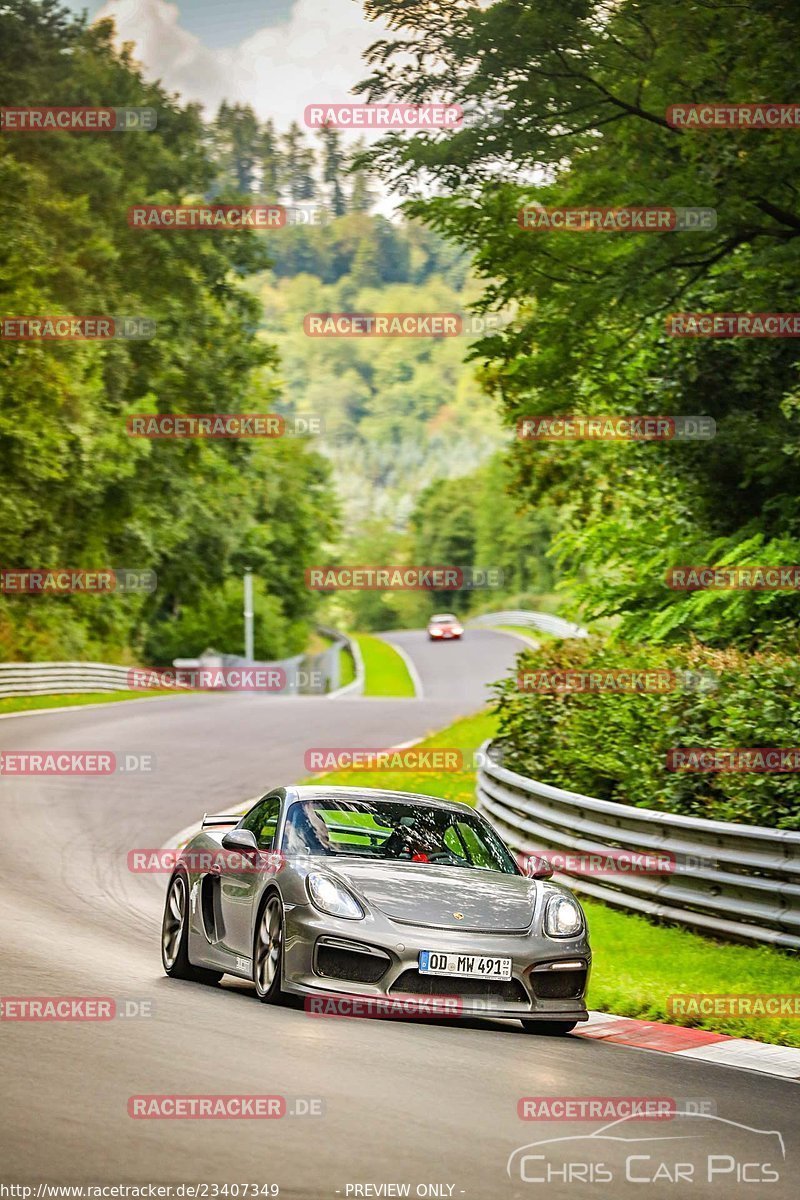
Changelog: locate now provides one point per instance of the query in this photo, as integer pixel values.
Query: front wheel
(175, 936)
(268, 951)
(549, 1028)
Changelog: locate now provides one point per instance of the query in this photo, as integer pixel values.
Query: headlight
(333, 898)
(563, 917)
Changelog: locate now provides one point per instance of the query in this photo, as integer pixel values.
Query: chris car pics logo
(700, 1148)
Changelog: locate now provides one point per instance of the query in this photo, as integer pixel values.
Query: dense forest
(399, 414)
(586, 88)
(77, 491)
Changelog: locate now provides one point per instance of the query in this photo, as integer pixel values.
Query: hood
(430, 894)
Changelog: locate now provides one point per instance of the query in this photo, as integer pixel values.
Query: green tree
(269, 160)
(238, 146)
(333, 167)
(582, 89)
(77, 490)
(298, 165)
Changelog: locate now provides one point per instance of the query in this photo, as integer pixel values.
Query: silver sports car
(354, 892)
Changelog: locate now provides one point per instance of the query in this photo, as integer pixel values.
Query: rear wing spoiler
(217, 819)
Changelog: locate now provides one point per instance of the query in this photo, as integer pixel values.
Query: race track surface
(415, 1103)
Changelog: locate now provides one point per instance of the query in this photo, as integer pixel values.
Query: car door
(242, 879)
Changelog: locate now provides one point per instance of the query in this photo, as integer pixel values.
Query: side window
(263, 820)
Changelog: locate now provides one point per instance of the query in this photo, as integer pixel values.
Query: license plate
(468, 966)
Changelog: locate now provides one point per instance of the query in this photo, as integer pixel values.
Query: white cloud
(314, 56)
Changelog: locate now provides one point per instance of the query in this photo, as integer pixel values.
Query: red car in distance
(444, 627)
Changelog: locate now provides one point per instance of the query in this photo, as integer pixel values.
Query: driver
(420, 845)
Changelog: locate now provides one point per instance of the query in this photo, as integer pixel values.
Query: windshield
(443, 619)
(391, 829)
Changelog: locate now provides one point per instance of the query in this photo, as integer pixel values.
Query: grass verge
(9, 704)
(637, 965)
(385, 672)
(347, 668)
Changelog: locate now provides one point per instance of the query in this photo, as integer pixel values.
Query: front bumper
(378, 958)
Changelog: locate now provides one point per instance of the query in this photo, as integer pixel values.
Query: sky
(278, 55)
(217, 23)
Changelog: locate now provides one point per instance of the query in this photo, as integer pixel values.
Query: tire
(268, 950)
(175, 935)
(549, 1028)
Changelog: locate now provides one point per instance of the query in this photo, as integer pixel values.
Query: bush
(614, 746)
(215, 620)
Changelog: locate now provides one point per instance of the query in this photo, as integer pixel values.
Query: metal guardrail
(306, 674)
(533, 620)
(740, 882)
(56, 678)
(343, 644)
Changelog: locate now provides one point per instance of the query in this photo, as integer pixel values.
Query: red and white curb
(699, 1044)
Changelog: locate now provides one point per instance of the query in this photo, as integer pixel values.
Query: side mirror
(535, 867)
(241, 840)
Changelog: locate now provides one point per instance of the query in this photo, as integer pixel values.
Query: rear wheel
(549, 1028)
(175, 935)
(268, 951)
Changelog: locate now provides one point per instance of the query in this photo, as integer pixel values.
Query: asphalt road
(402, 1103)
